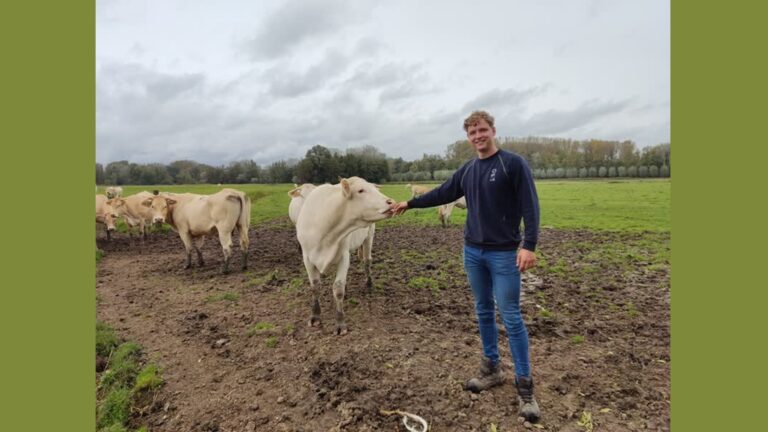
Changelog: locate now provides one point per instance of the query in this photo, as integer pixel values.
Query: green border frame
(47, 310)
(718, 84)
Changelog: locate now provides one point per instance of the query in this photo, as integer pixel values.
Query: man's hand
(399, 208)
(525, 260)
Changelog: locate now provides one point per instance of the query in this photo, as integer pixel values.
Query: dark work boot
(490, 376)
(528, 407)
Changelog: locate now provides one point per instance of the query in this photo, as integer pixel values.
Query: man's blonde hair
(475, 117)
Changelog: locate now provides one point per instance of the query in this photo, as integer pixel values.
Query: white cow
(194, 216)
(329, 215)
(360, 240)
(107, 212)
(298, 195)
(445, 210)
(114, 192)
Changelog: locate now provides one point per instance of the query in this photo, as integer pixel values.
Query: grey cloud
(370, 75)
(297, 21)
(136, 79)
(553, 122)
(285, 83)
(504, 100)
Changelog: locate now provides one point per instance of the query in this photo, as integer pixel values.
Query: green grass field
(613, 205)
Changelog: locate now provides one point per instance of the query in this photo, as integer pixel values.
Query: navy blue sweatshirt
(500, 193)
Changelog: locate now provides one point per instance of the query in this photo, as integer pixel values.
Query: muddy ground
(237, 355)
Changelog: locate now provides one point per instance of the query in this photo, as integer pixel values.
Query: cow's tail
(243, 222)
(244, 219)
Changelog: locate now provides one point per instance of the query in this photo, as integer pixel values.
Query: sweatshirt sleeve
(529, 205)
(447, 192)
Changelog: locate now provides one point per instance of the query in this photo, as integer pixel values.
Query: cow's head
(109, 215)
(365, 201)
(159, 206)
(118, 205)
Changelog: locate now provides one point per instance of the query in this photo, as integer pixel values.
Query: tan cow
(445, 210)
(107, 212)
(194, 216)
(114, 192)
(135, 213)
(417, 190)
(328, 217)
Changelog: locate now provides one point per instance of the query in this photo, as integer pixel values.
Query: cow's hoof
(341, 329)
(314, 321)
(369, 285)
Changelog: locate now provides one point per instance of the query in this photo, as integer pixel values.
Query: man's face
(481, 135)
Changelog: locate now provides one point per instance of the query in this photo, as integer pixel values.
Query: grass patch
(259, 327)
(115, 409)
(261, 280)
(99, 255)
(148, 378)
(546, 313)
(106, 339)
(228, 296)
(123, 382)
(293, 286)
(271, 341)
(422, 282)
(577, 339)
(123, 366)
(631, 310)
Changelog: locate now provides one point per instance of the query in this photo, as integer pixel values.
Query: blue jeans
(494, 275)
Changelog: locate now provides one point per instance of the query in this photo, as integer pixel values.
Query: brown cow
(417, 190)
(194, 216)
(135, 214)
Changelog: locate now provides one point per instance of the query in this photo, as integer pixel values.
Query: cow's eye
(361, 191)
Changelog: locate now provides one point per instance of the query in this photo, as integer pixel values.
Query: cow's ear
(147, 202)
(295, 193)
(170, 201)
(345, 189)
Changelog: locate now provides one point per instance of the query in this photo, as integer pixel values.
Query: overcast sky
(266, 80)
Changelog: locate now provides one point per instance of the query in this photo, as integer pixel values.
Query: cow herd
(193, 216)
(330, 220)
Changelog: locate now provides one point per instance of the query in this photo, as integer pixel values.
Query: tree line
(547, 157)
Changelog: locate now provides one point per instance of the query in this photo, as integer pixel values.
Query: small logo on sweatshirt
(493, 175)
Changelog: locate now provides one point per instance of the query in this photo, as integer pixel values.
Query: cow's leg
(339, 286)
(314, 285)
(143, 227)
(198, 245)
(368, 259)
(225, 238)
(109, 233)
(186, 238)
(244, 244)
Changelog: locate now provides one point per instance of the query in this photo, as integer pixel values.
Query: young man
(500, 192)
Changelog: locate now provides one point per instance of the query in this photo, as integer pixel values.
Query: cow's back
(201, 213)
(135, 210)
